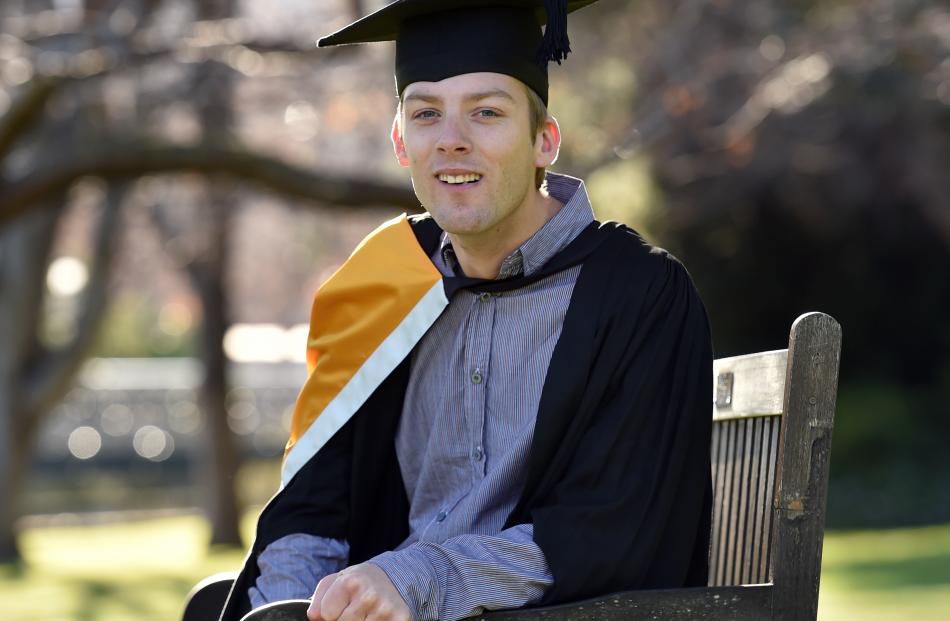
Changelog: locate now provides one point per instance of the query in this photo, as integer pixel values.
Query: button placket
(483, 324)
(472, 374)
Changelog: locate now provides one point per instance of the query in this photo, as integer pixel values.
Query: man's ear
(399, 146)
(547, 144)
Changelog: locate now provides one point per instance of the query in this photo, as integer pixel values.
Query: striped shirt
(463, 442)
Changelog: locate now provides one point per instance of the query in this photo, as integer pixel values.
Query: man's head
(474, 145)
(472, 77)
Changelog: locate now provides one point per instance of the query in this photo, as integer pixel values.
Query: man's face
(466, 143)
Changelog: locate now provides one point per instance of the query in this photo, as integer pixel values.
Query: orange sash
(365, 320)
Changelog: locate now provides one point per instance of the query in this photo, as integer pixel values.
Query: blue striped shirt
(463, 442)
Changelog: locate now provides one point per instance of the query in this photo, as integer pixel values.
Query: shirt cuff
(291, 567)
(416, 580)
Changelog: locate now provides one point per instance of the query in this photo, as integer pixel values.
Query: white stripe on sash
(366, 380)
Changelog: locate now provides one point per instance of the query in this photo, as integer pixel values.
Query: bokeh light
(116, 420)
(184, 417)
(66, 276)
(84, 442)
(153, 443)
(243, 418)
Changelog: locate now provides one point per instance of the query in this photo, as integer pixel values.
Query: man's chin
(457, 227)
(458, 219)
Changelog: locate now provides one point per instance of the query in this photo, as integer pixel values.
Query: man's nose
(454, 138)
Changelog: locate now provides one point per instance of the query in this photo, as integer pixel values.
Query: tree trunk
(9, 471)
(23, 249)
(12, 470)
(220, 461)
(214, 93)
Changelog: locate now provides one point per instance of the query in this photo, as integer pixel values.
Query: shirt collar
(547, 241)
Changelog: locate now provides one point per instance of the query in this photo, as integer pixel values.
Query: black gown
(618, 479)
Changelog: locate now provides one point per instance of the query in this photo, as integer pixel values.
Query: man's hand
(359, 592)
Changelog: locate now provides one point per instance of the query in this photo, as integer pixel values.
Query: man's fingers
(336, 599)
(386, 612)
(355, 611)
(359, 593)
(314, 612)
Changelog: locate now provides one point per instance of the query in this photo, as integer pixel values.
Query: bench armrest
(732, 602)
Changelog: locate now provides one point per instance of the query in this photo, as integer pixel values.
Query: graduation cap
(438, 39)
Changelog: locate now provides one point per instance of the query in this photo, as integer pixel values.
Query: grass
(137, 571)
(141, 571)
(889, 574)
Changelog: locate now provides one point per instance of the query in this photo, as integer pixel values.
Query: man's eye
(488, 113)
(424, 114)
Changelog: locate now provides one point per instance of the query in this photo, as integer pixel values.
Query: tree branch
(125, 160)
(25, 111)
(202, 33)
(54, 372)
(98, 60)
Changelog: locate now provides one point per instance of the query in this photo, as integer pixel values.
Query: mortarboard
(438, 39)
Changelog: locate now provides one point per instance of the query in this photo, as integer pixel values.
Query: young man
(508, 402)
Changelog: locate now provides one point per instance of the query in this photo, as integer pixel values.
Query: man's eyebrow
(495, 92)
(429, 98)
(422, 97)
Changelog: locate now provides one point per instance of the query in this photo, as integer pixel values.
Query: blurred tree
(799, 156)
(34, 376)
(800, 149)
(65, 120)
(213, 89)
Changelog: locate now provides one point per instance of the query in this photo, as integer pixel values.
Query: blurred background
(178, 176)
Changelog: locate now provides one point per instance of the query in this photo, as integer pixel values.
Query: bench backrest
(747, 417)
(772, 419)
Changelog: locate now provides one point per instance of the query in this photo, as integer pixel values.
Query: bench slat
(743, 457)
(717, 458)
(747, 510)
(758, 385)
(771, 437)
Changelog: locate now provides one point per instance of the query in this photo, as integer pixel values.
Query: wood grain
(804, 453)
(758, 384)
(734, 603)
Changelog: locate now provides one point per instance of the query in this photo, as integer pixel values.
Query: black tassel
(555, 45)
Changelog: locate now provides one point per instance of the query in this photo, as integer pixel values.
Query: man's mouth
(459, 179)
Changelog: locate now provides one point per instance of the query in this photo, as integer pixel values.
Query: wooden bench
(773, 416)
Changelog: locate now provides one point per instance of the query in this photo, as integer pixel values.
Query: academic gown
(617, 483)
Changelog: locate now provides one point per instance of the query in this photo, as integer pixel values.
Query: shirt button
(441, 517)
(478, 453)
(476, 376)
(484, 296)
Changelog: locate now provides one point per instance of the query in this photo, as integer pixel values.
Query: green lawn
(137, 571)
(141, 572)
(891, 574)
